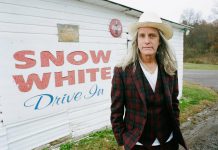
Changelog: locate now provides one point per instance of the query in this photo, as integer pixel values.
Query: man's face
(148, 41)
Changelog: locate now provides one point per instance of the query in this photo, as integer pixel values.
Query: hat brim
(164, 28)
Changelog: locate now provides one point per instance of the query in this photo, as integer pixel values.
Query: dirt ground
(201, 130)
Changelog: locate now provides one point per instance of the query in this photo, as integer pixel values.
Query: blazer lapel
(138, 80)
(165, 82)
(137, 77)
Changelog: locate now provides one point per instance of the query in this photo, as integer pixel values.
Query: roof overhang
(115, 6)
(130, 11)
(177, 25)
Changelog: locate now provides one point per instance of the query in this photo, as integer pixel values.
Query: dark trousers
(171, 145)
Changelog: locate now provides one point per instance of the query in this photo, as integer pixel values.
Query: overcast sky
(171, 9)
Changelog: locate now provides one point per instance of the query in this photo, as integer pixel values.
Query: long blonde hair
(164, 55)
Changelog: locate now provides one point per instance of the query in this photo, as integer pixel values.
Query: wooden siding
(34, 22)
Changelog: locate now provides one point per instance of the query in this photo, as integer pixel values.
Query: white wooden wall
(177, 44)
(34, 23)
(178, 47)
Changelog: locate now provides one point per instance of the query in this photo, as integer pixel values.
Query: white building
(57, 59)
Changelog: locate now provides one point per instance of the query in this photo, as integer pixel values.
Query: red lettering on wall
(28, 59)
(92, 73)
(72, 78)
(100, 55)
(105, 73)
(75, 58)
(81, 76)
(71, 57)
(25, 86)
(59, 78)
(46, 56)
(21, 56)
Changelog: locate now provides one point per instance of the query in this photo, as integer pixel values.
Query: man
(144, 109)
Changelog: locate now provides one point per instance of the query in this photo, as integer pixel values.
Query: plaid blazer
(128, 107)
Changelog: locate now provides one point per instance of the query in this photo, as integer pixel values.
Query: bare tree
(190, 17)
(215, 10)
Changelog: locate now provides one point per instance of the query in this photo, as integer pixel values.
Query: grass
(200, 66)
(101, 140)
(195, 98)
(207, 58)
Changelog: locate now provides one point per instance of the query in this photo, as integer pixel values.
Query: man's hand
(122, 148)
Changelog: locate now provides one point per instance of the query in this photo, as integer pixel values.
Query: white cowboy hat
(154, 21)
